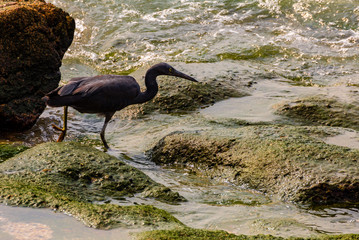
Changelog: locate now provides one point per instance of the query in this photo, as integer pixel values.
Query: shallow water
(17, 223)
(275, 50)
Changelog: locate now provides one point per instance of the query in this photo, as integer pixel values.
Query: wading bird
(106, 94)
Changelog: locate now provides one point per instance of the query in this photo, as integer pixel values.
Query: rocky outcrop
(72, 178)
(289, 162)
(321, 110)
(203, 234)
(34, 37)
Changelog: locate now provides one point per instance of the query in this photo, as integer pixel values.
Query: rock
(34, 37)
(162, 193)
(8, 150)
(284, 225)
(182, 96)
(198, 234)
(70, 177)
(202, 234)
(319, 110)
(290, 162)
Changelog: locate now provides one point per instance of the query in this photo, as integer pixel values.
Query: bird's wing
(109, 86)
(68, 89)
(107, 93)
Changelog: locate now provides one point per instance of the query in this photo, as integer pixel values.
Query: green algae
(291, 162)
(341, 237)
(202, 234)
(319, 110)
(163, 193)
(10, 150)
(186, 96)
(70, 177)
(102, 216)
(259, 52)
(197, 234)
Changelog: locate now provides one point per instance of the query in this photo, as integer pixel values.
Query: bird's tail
(53, 99)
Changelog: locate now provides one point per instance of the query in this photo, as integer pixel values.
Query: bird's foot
(105, 147)
(57, 128)
(62, 130)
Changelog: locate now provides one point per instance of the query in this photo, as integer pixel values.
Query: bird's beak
(182, 75)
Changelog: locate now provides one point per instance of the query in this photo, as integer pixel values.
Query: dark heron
(106, 94)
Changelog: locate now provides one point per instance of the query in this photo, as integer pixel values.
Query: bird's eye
(170, 70)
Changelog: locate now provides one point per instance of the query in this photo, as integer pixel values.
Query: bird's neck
(151, 87)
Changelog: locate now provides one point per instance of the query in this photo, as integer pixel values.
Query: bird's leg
(64, 128)
(108, 117)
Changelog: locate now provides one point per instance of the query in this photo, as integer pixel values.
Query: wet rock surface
(321, 110)
(176, 95)
(201, 234)
(70, 177)
(288, 161)
(8, 150)
(181, 96)
(34, 36)
(197, 234)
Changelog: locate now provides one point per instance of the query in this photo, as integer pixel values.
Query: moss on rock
(177, 96)
(181, 96)
(290, 162)
(69, 177)
(8, 150)
(202, 234)
(320, 110)
(197, 234)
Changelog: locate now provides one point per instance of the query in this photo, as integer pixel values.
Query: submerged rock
(34, 37)
(320, 110)
(283, 225)
(291, 162)
(70, 177)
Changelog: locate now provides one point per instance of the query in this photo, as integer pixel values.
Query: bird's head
(166, 69)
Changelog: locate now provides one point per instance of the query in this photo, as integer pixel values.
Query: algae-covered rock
(181, 96)
(34, 36)
(198, 234)
(70, 176)
(290, 162)
(322, 111)
(202, 234)
(8, 150)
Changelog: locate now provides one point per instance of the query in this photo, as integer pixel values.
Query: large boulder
(34, 37)
(290, 162)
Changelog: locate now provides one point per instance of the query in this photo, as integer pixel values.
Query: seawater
(276, 49)
(311, 41)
